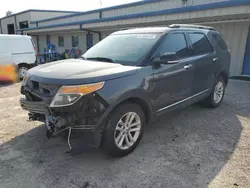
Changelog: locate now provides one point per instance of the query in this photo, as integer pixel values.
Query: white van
(19, 50)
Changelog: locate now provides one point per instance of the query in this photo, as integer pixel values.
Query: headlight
(68, 95)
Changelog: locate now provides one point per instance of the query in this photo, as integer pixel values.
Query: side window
(220, 42)
(175, 42)
(200, 44)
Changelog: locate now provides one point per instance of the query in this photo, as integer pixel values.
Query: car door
(173, 82)
(204, 59)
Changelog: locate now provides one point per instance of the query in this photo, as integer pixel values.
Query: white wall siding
(42, 43)
(23, 17)
(52, 29)
(71, 19)
(82, 42)
(6, 21)
(95, 38)
(186, 17)
(37, 15)
(154, 6)
(167, 4)
(235, 35)
(199, 2)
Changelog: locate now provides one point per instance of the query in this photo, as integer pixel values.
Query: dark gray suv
(127, 80)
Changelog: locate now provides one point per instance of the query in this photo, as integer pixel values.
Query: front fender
(132, 87)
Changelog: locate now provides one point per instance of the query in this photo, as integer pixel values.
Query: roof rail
(191, 26)
(122, 29)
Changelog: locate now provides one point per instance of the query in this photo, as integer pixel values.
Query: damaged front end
(63, 108)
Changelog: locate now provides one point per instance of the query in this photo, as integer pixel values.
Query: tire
(22, 69)
(111, 144)
(212, 101)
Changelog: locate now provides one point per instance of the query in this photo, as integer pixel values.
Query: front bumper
(88, 111)
(34, 106)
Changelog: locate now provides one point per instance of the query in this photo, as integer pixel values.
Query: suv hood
(77, 71)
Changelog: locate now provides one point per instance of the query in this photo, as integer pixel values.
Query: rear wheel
(124, 131)
(217, 94)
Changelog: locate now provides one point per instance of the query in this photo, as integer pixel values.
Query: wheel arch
(225, 76)
(142, 104)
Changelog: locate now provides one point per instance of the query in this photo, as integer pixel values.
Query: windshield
(127, 49)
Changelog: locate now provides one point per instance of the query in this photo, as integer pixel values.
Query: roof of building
(202, 7)
(39, 10)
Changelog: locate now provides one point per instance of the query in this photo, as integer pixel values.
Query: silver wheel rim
(127, 130)
(22, 71)
(218, 92)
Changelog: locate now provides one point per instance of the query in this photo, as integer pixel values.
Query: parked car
(19, 50)
(128, 80)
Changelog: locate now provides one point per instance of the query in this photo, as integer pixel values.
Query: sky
(74, 5)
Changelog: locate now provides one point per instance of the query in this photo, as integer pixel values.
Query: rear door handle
(188, 66)
(215, 59)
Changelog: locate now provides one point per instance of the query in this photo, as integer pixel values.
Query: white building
(84, 29)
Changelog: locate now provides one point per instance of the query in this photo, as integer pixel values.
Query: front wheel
(124, 131)
(217, 94)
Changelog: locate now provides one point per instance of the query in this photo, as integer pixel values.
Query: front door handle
(188, 66)
(215, 59)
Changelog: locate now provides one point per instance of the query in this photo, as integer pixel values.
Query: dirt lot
(195, 147)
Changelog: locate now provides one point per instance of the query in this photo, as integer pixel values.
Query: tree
(8, 13)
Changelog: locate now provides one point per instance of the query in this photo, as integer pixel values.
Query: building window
(184, 2)
(48, 39)
(23, 25)
(60, 41)
(75, 41)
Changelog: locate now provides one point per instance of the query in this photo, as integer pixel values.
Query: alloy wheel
(127, 130)
(218, 92)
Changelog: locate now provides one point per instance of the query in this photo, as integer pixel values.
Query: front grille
(35, 91)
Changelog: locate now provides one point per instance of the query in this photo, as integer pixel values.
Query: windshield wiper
(105, 59)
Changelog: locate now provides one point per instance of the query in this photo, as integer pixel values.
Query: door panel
(204, 59)
(173, 82)
(204, 72)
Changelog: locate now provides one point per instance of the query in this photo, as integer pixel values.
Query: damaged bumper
(85, 114)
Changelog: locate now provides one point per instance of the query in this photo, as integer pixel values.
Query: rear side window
(220, 42)
(200, 44)
(175, 42)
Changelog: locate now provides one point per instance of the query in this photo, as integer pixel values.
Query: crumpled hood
(77, 71)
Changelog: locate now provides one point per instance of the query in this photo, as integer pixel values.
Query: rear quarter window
(200, 44)
(219, 41)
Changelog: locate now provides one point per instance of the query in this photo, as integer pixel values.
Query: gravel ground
(195, 147)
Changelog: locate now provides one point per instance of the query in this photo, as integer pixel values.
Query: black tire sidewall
(108, 142)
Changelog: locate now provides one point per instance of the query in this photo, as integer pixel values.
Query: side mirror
(166, 58)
